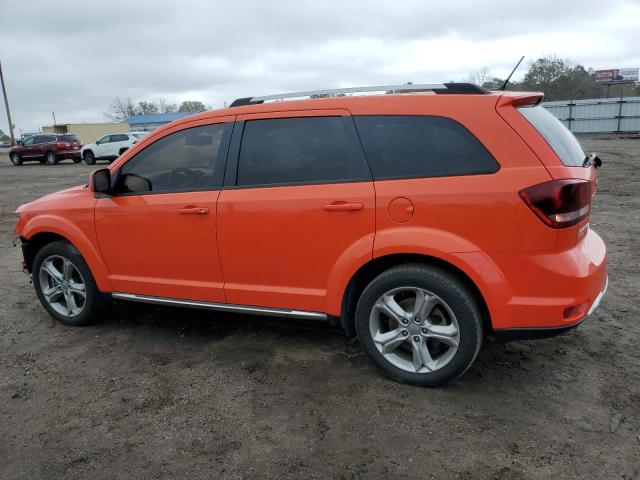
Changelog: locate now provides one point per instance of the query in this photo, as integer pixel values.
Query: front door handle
(344, 207)
(194, 211)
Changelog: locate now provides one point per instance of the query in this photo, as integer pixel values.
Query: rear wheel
(65, 286)
(51, 158)
(419, 324)
(15, 159)
(89, 158)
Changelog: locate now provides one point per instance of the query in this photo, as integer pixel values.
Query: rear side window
(421, 146)
(68, 138)
(187, 160)
(559, 138)
(299, 150)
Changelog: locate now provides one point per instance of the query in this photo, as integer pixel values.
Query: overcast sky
(74, 57)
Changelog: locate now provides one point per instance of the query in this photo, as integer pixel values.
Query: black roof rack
(438, 88)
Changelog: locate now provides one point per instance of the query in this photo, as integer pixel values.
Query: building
(146, 123)
(87, 132)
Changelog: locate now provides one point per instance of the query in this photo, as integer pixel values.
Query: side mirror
(100, 181)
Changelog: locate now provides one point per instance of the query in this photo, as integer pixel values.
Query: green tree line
(559, 79)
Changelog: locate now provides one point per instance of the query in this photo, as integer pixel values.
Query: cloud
(74, 57)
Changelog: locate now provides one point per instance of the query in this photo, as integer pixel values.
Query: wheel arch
(367, 272)
(34, 237)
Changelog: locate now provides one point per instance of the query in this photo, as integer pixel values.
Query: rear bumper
(504, 335)
(69, 154)
(548, 290)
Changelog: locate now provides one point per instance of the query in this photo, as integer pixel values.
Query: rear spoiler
(520, 99)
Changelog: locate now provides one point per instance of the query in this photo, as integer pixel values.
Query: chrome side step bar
(223, 307)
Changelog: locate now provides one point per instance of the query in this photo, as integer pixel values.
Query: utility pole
(6, 104)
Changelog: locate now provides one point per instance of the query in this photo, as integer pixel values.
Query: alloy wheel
(414, 329)
(62, 285)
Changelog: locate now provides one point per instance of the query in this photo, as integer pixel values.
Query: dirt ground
(167, 393)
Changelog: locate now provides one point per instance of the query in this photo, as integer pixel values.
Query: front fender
(80, 233)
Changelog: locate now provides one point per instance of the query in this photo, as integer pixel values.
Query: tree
(146, 108)
(164, 107)
(192, 106)
(479, 77)
(120, 109)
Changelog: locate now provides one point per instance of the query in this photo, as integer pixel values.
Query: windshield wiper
(592, 159)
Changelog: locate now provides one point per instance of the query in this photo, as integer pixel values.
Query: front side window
(298, 150)
(421, 146)
(190, 159)
(104, 139)
(29, 141)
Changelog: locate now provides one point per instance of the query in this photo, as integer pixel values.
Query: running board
(223, 307)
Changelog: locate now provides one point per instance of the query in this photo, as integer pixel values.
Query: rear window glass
(421, 146)
(559, 138)
(298, 150)
(69, 138)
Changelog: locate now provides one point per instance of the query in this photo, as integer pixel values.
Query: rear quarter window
(559, 138)
(69, 138)
(421, 146)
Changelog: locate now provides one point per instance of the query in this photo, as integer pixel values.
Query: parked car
(47, 148)
(108, 147)
(418, 222)
(5, 144)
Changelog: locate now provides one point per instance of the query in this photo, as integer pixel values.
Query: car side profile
(46, 148)
(109, 147)
(420, 220)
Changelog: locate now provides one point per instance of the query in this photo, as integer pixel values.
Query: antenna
(504, 85)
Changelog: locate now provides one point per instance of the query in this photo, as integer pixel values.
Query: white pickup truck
(110, 146)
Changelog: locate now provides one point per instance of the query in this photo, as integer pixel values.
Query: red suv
(420, 221)
(47, 148)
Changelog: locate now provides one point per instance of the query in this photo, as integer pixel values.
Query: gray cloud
(74, 57)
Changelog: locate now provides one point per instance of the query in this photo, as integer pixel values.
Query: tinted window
(190, 159)
(298, 150)
(421, 146)
(69, 138)
(29, 141)
(559, 138)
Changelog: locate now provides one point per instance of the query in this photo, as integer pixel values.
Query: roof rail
(439, 88)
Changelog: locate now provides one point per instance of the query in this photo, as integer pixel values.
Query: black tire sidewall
(89, 158)
(94, 301)
(48, 157)
(18, 160)
(447, 287)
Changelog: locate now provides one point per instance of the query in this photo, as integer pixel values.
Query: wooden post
(6, 104)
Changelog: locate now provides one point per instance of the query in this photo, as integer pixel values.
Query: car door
(298, 201)
(157, 232)
(102, 146)
(28, 148)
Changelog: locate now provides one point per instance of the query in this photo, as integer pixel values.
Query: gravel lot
(167, 393)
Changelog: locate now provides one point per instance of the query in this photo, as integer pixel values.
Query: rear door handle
(344, 207)
(194, 211)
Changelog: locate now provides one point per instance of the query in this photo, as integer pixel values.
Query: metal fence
(598, 115)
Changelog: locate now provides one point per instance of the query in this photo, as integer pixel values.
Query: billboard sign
(617, 75)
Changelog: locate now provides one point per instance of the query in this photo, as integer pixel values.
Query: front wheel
(65, 286)
(419, 325)
(51, 158)
(15, 159)
(89, 158)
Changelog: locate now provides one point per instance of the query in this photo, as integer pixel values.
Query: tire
(15, 159)
(66, 281)
(122, 150)
(89, 157)
(51, 158)
(449, 327)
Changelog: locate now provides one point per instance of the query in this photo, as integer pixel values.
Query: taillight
(64, 145)
(559, 203)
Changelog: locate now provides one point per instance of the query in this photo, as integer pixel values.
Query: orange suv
(421, 220)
